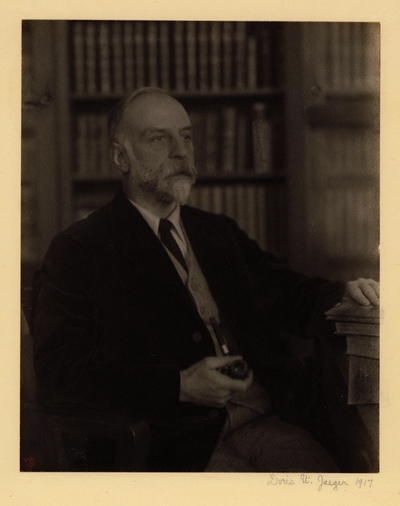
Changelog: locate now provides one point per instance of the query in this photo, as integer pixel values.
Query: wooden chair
(77, 439)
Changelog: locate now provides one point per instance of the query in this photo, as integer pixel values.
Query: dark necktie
(164, 229)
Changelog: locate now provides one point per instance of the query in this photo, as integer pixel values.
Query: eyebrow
(149, 131)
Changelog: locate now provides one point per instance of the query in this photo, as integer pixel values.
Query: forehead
(156, 111)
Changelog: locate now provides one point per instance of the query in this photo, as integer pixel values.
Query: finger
(370, 293)
(218, 362)
(353, 289)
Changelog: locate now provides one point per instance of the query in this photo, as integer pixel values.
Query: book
(348, 310)
(363, 346)
(91, 57)
(203, 54)
(227, 54)
(265, 58)
(82, 136)
(191, 55)
(164, 55)
(78, 55)
(357, 328)
(139, 54)
(242, 141)
(229, 126)
(262, 138)
(252, 228)
(117, 59)
(251, 63)
(212, 126)
(129, 59)
(179, 56)
(152, 53)
(105, 60)
(240, 55)
(215, 37)
(261, 216)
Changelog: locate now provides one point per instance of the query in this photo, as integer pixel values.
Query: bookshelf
(285, 116)
(333, 161)
(228, 76)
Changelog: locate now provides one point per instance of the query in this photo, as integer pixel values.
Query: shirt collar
(154, 220)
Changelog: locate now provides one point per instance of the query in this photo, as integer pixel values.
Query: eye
(187, 137)
(159, 138)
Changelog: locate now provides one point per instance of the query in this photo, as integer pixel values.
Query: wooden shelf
(246, 94)
(204, 178)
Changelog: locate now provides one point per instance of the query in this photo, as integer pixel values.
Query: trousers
(267, 444)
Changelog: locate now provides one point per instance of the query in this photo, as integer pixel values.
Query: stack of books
(360, 325)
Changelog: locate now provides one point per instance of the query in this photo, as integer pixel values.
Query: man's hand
(364, 291)
(203, 383)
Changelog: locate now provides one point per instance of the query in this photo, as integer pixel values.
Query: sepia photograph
(200, 210)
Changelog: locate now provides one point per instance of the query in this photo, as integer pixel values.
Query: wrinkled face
(156, 134)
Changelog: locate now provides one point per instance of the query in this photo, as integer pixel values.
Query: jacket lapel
(134, 240)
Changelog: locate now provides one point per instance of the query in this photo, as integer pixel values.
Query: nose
(179, 148)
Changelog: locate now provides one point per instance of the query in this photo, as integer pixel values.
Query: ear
(118, 156)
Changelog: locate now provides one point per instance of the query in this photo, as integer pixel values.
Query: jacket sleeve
(294, 302)
(69, 362)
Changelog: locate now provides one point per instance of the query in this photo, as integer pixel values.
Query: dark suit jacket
(114, 324)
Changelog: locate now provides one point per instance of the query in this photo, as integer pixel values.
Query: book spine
(191, 54)
(261, 217)
(179, 56)
(241, 206)
(211, 141)
(205, 202)
(152, 53)
(139, 54)
(215, 55)
(129, 57)
(118, 61)
(242, 142)
(230, 201)
(335, 56)
(79, 56)
(91, 57)
(229, 115)
(164, 55)
(240, 53)
(252, 218)
(105, 169)
(91, 145)
(82, 162)
(252, 63)
(262, 139)
(217, 199)
(227, 55)
(265, 62)
(203, 55)
(105, 61)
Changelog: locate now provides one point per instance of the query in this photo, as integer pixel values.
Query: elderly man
(141, 302)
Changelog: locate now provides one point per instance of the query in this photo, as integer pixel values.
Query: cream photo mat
(193, 489)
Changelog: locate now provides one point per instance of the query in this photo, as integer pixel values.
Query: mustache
(186, 170)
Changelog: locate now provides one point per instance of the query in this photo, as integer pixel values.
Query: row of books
(259, 210)
(117, 56)
(226, 140)
(344, 56)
